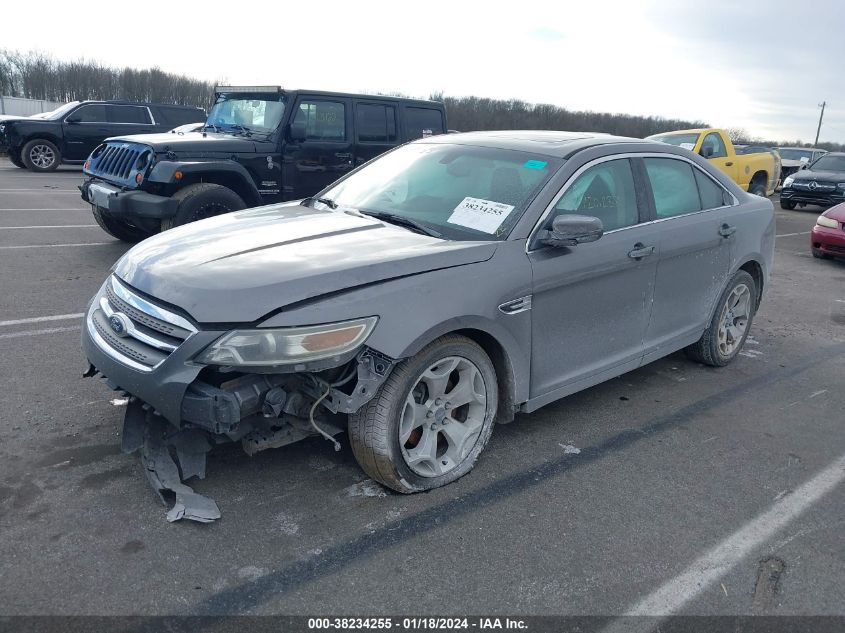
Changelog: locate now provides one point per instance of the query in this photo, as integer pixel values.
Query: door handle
(729, 164)
(343, 155)
(726, 230)
(640, 251)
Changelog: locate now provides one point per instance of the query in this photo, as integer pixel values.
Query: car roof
(805, 149)
(364, 97)
(137, 103)
(546, 142)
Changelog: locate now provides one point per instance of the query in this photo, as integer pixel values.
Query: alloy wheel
(735, 316)
(443, 416)
(42, 156)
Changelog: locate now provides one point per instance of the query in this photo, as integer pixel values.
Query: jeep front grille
(119, 162)
(132, 330)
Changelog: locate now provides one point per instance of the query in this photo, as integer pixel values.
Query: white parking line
(10, 248)
(718, 561)
(49, 226)
(76, 191)
(51, 209)
(55, 317)
(52, 330)
(791, 234)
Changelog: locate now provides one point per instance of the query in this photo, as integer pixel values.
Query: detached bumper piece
(157, 441)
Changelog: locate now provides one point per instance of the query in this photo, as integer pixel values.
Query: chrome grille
(133, 330)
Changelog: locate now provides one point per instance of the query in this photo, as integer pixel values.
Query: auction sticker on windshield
(481, 215)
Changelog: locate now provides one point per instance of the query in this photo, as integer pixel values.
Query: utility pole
(821, 116)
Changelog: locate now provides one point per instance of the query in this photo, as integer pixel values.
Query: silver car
(424, 297)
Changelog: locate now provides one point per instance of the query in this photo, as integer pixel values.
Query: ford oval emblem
(119, 324)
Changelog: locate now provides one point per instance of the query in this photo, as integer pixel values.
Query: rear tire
(789, 206)
(16, 161)
(411, 436)
(724, 337)
(119, 229)
(757, 189)
(200, 201)
(41, 156)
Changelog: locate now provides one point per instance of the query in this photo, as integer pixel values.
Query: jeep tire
(202, 200)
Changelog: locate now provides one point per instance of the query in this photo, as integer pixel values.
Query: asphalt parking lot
(675, 487)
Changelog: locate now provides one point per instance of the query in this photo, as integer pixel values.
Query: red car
(828, 236)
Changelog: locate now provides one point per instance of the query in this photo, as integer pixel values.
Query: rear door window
(324, 120)
(376, 123)
(673, 186)
(94, 113)
(712, 195)
(128, 114)
(422, 122)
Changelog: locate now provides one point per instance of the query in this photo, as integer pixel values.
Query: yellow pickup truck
(754, 171)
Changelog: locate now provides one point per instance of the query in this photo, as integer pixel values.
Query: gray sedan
(424, 297)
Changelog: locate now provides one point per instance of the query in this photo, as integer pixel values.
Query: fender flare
(163, 172)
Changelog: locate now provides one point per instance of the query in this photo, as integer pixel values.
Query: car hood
(837, 213)
(239, 267)
(192, 142)
(819, 176)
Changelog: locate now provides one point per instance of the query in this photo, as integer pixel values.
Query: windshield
(676, 139)
(459, 191)
(58, 113)
(257, 113)
(795, 154)
(829, 163)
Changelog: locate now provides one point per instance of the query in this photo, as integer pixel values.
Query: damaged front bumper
(179, 409)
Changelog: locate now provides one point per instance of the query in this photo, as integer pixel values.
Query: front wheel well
(754, 269)
(504, 371)
(225, 179)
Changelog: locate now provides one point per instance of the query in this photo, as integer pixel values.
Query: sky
(764, 66)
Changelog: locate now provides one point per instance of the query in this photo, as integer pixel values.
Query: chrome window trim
(145, 306)
(603, 159)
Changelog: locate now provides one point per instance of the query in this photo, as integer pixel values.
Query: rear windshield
(462, 192)
(795, 154)
(676, 139)
(174, 117)
(829, 163)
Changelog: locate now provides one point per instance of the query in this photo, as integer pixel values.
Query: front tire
(789, 206)
(200, 201)
(119, 229)
(724, 337)
(431, 418)
(819, 254)
(41, 156)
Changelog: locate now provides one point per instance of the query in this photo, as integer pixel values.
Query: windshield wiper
(401, 220)
(246, 131)
(331, 204)
(212, 126)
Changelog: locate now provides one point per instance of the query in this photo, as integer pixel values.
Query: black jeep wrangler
(259, 145)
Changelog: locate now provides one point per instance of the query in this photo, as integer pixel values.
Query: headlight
(830, 223)
(2, 127)
(788, 181)
(286, 346)
(841, 185)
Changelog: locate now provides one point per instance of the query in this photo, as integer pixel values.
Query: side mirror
(805, 166)
(707, 152)
(571, 230)
(297, 132)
